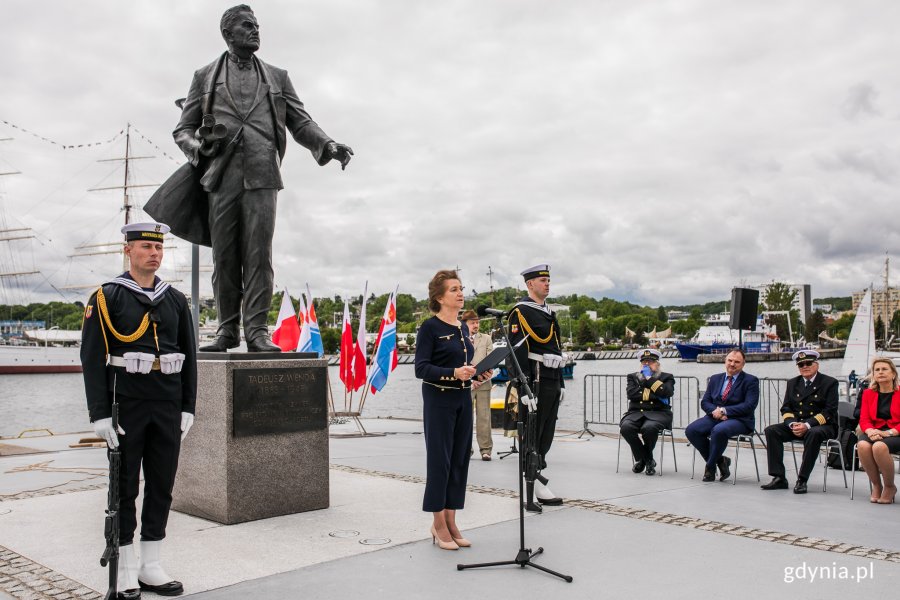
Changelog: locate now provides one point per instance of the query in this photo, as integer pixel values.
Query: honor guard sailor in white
(542, 360)
(138, 347)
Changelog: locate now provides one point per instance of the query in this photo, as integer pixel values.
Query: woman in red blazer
(879, 421)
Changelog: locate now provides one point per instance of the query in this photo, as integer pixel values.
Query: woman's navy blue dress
(447, 412)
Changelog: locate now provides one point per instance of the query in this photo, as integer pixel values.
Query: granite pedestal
(259, 444)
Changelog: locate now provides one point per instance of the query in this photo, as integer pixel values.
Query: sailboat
(861, 343)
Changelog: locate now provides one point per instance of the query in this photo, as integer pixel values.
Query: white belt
(118, 361)
(539, 358)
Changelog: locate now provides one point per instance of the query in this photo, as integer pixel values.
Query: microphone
(484, 311)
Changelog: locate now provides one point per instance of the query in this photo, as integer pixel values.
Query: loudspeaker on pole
(744, 304)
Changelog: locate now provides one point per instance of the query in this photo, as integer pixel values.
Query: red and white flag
(359, 352)
(287, 328)
(304, 341)
(346, 361)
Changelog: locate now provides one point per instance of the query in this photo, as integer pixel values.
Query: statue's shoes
(262, 345)
(222, 344)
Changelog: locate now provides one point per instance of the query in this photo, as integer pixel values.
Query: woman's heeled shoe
(462, 542)
(441, 543)
(888, 498)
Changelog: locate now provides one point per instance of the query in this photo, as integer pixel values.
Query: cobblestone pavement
(27, 580)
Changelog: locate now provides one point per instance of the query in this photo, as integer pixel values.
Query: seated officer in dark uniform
(138, 349)
(649, 394)
(810, 415)
(542, 359)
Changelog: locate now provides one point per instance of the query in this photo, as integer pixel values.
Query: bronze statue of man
(232, 130)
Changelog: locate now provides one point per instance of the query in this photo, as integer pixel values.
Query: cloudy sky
(659, 152)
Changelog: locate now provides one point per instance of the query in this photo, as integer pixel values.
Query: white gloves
(562, 395)
(138, 362)
(187, 421)
(104, 429)
(529, 402)
(171, 363)
(553, 361)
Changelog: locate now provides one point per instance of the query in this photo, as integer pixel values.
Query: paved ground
(617, 534)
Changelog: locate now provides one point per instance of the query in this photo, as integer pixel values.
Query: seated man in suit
(729, 403)
(649, 394)
(810, 415)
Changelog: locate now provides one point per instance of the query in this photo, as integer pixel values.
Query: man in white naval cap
(138, 350)
(810, 415)
(542, 359)
(649, 393)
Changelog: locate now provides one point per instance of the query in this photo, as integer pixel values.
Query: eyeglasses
(805, 363)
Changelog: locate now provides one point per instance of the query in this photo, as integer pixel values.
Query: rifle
(111, 526)
(530, 455)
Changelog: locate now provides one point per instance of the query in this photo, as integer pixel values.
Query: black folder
(496, 356)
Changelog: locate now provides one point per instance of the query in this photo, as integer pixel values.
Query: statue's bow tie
(244, 66)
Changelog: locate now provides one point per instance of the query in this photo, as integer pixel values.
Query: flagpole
(330, 393)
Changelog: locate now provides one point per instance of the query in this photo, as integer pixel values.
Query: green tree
(895, 323)
(585, 332)
(331, 339)
(879, 329)
(661, 314)
(841, 328)
(779, 296)
(814, 325)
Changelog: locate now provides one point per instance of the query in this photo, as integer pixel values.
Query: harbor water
(57, 402)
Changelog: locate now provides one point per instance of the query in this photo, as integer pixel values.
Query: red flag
(359, 351)
(346, 361)
(287, 329)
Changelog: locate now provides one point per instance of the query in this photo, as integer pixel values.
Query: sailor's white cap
(802, 355)
(145, 231)
(649, 354)
(536, 271)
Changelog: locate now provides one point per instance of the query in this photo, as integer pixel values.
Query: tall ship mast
(127, 206)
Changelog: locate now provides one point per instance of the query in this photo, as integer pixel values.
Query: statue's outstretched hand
(340, 152)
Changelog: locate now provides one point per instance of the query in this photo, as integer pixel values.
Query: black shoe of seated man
(724, 468)
(172, 588)
(651, 467)
(222, 344)
(262, 344)
(639, 466)
(777, 483)
(129, 595)
(800, 486)
(709, 474)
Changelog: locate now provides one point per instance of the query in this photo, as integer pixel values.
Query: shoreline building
(14, 329)
(884, 305)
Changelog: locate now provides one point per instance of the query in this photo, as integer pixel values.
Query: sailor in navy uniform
(138, 347)
(542, 359)
(810, 416)
(649, 393)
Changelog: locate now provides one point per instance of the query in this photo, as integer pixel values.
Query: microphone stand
(524, 555)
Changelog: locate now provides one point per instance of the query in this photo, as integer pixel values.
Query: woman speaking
(443, 353)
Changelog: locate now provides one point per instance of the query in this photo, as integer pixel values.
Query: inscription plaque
(280, 400)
